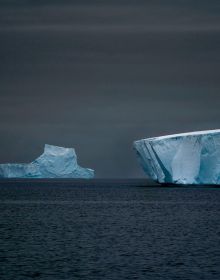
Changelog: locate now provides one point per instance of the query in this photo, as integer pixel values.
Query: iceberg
(187, 158)
(55, 162)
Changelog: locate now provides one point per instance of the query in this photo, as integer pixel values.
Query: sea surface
(108, 230)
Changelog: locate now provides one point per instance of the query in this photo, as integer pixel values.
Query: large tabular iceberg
(55, 162)
(186, 158)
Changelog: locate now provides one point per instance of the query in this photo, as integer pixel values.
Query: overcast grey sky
(97, 75)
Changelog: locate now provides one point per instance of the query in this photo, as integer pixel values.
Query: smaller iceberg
(187, 158)
(55, 162)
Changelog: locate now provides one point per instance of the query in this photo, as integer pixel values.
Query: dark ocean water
(107, 231)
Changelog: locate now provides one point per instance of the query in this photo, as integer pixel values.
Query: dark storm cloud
(98, 76)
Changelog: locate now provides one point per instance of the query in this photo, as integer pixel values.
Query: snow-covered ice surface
(55, 162)
(186, 158)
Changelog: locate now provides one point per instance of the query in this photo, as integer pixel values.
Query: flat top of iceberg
(56, 150)
(185, 134)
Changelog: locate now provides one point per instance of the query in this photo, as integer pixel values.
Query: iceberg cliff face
(55, 162)
(186, 158)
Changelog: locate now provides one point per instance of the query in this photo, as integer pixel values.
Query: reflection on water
(109, 232)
